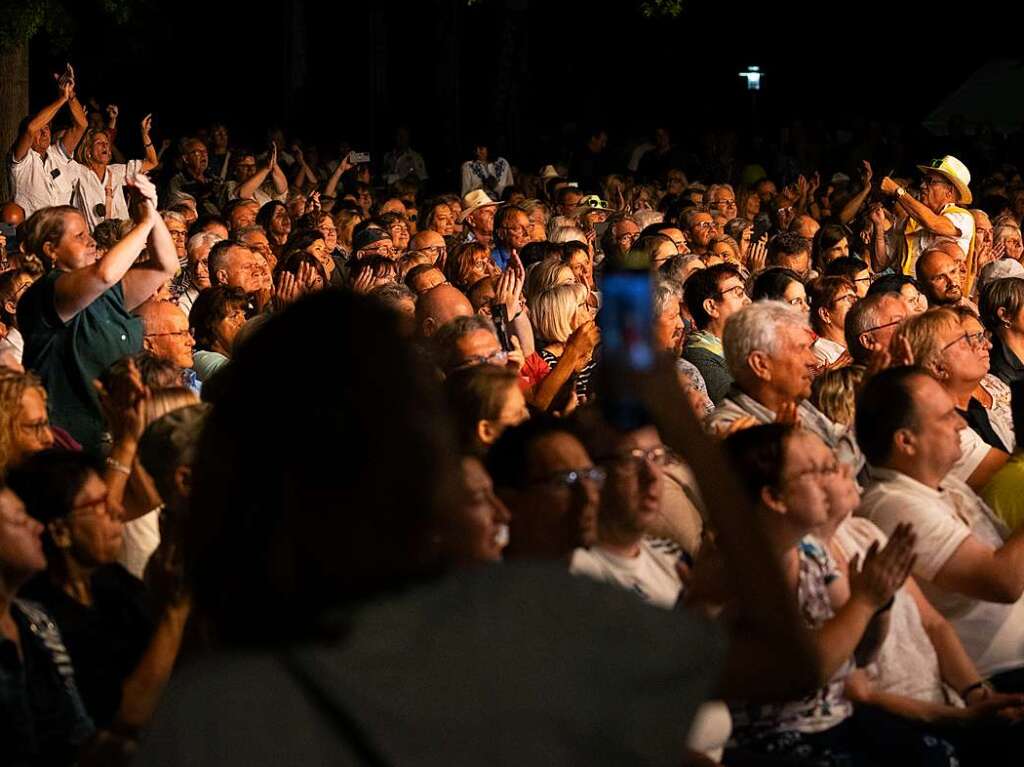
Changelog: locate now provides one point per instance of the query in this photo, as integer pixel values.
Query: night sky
(525, 76)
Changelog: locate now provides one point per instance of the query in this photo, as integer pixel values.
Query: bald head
(428, 238)
(12, 213)
(156, 313)
(805, 226)
(439, 306)
(939, 275)
(166, 332)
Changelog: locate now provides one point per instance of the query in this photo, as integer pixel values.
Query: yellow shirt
(1005, 491)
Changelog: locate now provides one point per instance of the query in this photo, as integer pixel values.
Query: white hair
(999, 230)
(209, 239)
(644, 218)
(557, 222)
(756, 328)
(178, 198)
(567, 234)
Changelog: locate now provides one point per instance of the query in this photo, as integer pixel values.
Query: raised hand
(272, 159)
(868, 173)
(758, 253)
(143, 186)
(888, 186)
(884, 570)
(124, 403)
(516, 358)
(112, 113)
(286, 291)
(147, 125)
(364, 282)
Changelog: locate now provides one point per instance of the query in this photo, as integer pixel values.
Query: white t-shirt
(827, 351)
(41, 182)
(906, 663)
(921, 240)
(141, 538)
(90, 190)
(652, 576)
(973, 450)
(992, 633)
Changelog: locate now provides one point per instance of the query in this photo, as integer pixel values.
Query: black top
(106, 641)
(977, 418)
(1004, 364)
(42, 719)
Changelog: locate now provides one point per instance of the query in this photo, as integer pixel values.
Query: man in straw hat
(477, 217)
(938, 212)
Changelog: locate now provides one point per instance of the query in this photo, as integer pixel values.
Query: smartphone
(499, 314)
(358, 158)
(625, 319)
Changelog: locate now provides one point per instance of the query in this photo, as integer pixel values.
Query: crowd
(304, 459)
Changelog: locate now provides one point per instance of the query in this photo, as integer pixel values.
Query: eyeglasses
(629, 237)
(38, 428)
(704, 225)
(737, 291)
(849, 297)
(928, 181)
(172, 333)
(435, 250)
(974, 340)
(886, 325)
(815, 471)
(574, 478)
(724, 204)
(637, 456)
(498, 358)
(869, 278)
(384, 250)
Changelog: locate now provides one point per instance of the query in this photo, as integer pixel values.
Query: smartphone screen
(625, 319)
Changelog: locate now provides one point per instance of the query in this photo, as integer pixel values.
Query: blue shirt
(501, 256)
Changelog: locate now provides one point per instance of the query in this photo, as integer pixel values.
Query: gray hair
(677, 266)
(756, 328)
(863, 316)
(689, 216)
(169, 442)
(717, 188)
(665, 291)
(247, 230)
(393, 294)
(170, 215)
(997, 231)
(645, 218)
(178, 198)
(567, 234)
(556, 222)
(209, 239)
(444, 341)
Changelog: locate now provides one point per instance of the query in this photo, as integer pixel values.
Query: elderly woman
(954, 348)
(76, 320)
(556, 313)
(216, 317)
(1006, 241)
(1002, 311)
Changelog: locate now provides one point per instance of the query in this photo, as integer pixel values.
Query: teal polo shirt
(69, 356)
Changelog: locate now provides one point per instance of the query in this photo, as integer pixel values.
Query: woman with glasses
(780, 284)
(954, 348)
(24, 423)
(216, 317)
(853, 269)
(784, 472)
(830, 299)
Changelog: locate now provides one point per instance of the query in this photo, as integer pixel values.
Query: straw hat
(955, 172)
(475, 200)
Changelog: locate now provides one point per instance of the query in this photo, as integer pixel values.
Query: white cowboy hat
(955, 172)
(475, 200)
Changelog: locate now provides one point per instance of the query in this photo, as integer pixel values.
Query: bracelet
(118, 466)
(149, 144)
(983, 684)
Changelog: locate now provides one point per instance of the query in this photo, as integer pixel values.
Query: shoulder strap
(345, 725)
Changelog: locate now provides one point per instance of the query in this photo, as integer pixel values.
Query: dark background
(527, 76)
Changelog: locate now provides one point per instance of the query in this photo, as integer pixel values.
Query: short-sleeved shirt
(973, 450)
(42, 181)
(68, 357)
(992, 633)
(919, 239)
(90, 190)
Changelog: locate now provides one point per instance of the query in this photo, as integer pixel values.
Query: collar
(898, 478)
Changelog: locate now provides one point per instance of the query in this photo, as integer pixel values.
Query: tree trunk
(13, 104)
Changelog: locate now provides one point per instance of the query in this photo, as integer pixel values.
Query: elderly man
(871, 323)
(237, 265)
(241, 214)
(43, 174)
(471, 340)
(193, 178)
(439, 306)
(939, 275)
(167, 337)
(721, 199)
(804, 226)
(432, 244)
(968, 563)
(769, 348)
(196, 275)
(477, 217)
(944, 188)
(699, 226)
(712, 296)
(511, 234)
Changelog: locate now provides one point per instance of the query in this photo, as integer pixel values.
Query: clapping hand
(123, 402)
(885, 569)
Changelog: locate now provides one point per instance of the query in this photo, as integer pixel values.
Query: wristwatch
(900, 191)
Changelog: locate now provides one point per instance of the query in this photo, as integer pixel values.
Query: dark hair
(534, 252)
(297, 531)
(702, 285)
(1006, 293)
(885, 405)
(475, 394)
(772, 283)
(758, 456)
(156, 373)
(211, 307)
(892, 283)
(266, 213)
(109, 232)
(786, 244)
(508, 459)
(47, 483)
(299, 240)
(827, 237)
(846, 266)
(822, 294)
